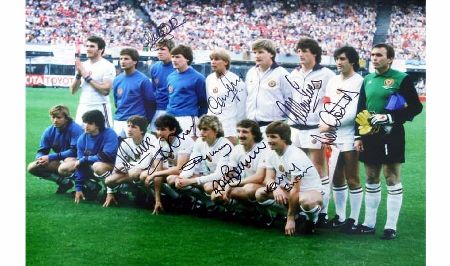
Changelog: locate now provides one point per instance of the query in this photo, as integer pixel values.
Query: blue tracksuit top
(133, 95)
(62, 141)
(159, 73)
(187, 93)
(100, 148)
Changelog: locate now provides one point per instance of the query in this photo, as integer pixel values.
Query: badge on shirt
(317, 84)
(156, 80)
(171, 156)
(272, 83)
(119, 92)
(215, 90)
(281, 168)
(170, 89)
(388, 83)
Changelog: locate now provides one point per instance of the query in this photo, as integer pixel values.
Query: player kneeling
(97, 149)
(134, 156)
(246, 170)
(61, 137)
(293, 181)
(210, 154)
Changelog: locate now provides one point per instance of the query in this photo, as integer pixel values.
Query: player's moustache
(242, 138)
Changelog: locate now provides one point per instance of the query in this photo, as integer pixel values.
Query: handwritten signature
(288, 186)
(229, 176)
(198, 159)
(300, 110)
(332, 114)
(162, 31)
(215, 103)
(128, 160)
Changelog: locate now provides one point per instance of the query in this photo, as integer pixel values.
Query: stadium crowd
(232, 25)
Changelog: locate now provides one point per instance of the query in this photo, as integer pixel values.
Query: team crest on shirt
(272, 83)
(313, 141)
(119, 92)
(171, 156)
(281, 168)
(156, 81)
(388, 83)
(317, 84)
(216, 90)
(170, 88)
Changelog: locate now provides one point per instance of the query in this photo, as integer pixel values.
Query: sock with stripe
(356, 197)
(326, 194)
(394, 203)
(340, 200)
(373, 198)
(313, 214)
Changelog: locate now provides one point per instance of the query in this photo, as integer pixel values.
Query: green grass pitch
(59, 232)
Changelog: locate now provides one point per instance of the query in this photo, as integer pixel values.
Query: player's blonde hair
(221, 54)
(59, 109)
(212, 122)
(267, 45)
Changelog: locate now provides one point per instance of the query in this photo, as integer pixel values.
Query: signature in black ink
(165, 154)
(163, 30)
(301, 110)
(219, 102)
(234, 174)
(288, 186)
(332, 114)
(128, 160)
(198, 159)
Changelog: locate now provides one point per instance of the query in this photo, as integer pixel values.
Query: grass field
(59, 232)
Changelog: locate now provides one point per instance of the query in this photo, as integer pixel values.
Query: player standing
(98, 75)
(133, 92)
(385, 149)
(308, 83)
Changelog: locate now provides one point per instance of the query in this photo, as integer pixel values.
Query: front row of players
(280, 181)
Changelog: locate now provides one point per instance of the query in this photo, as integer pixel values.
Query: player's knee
(353, 182)
(171, 180)
(208, 188)
(309, 203)
(261, 194)
(32, 167)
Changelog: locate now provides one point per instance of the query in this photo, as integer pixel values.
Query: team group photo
(267, 132)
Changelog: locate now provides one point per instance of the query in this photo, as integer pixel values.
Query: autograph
(129, 161)
(234, 174)
(198, 159)
(288, 186)
(332, 117)
(163, 30)
(300, 110)
(215, 103)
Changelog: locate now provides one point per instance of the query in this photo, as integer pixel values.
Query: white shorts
(120, 127)
(310, 184)
(229, 128)
(189, 123)
(345, 146)
(158, 113)
(303, 138)
(105, 108)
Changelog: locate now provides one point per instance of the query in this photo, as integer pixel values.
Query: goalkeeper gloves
(381, 119)
(362, 118)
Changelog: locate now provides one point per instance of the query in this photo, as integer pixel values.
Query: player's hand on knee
(110, 199)
(79, 196)
(279, 196)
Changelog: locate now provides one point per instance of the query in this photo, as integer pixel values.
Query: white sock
(356, 197)
(313, 214)
(394, 203)
(340, 200)
(326, 194)
(373, 198)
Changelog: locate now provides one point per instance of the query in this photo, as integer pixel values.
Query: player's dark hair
(170, 122)
(99, 41)
(389, 49)
(139, 121)
(133, 53)
(96, 117)
(254, 128)
(280, 128)
(185, 51)
(169, 43)
(350, 53)
(312, 45)
(267, 45)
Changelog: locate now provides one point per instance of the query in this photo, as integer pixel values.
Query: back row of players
(297, 115)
